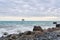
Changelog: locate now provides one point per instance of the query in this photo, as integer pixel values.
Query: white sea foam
(15, 29)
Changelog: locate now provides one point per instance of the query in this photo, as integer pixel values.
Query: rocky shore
(37, 34)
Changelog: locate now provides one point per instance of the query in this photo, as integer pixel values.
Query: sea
(15, 27)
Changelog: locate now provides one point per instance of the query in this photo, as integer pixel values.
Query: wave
(15, 29)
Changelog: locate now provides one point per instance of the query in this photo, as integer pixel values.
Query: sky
(36, 10)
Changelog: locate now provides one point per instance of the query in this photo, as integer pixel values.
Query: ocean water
(21, 26)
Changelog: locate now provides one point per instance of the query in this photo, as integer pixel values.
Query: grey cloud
(29, 8)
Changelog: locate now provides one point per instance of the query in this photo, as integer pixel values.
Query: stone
(49, 30)
(58, 25)
(28, 33)
(58, 35)
(54, 22)
(20, 34)
(10, 39)
(37, 28)
(5, 33)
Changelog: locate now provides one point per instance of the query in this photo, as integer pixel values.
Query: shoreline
(37, 33)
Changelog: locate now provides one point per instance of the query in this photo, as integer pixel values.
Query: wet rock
(58, 35)
(20, 34)
(58, 25)
(49, 30)
(10, 39)
(54, 22)
(5, 33)
(9, 35)
(28, 33)
(37, 28)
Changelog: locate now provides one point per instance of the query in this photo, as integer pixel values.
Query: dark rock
(28, 33)
(58, 35)
(49, 30)
(5, 33)
(13, 37)
(1, 38)
(54, 22)
(37, 28)
(10, 39)
(20, 34)
(9, 35)
(58, 25)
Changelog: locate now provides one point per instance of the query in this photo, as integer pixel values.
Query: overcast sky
(29, 8)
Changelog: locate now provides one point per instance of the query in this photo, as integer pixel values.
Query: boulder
(28, 33)
(54, 22)
(37, 28)
(49, 30)
(20, 34)
(58, 25)
(5, 33)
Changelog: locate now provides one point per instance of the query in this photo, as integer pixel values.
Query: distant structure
(22, 20)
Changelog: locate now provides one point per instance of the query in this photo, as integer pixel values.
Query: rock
(54, 22)
(10, 39)
(27, 33)
(58, 35)
(9, 35)
(20, 34)
(58, 25)
(49, 30)
(5, 33)
(37, 28)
